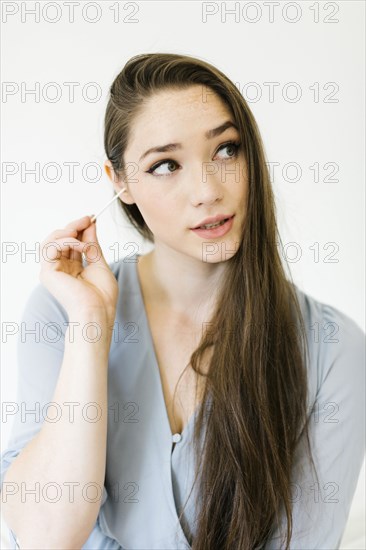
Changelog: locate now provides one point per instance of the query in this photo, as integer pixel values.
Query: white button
(176, 438)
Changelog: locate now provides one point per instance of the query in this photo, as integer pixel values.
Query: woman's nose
(206, 186)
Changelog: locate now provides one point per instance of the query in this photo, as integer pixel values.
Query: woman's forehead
(171, 112)
(194, 96)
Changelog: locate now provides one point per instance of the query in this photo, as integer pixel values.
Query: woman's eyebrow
(210, 134)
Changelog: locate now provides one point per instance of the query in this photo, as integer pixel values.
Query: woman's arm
(53, 488)
(69, 453)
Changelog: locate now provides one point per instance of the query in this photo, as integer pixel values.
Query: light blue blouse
(149, 470)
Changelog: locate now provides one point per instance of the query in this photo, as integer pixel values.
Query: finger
(73, 229)
(75, 253)
(52, 251)
(80, 224)
(78, 227)
(59, 233)
(53, 242)
(92, 251)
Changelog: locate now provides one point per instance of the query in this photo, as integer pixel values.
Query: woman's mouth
(213, 230)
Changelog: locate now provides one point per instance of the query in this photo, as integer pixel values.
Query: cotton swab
(106, 206)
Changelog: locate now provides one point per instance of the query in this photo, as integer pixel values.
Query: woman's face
(200, 176)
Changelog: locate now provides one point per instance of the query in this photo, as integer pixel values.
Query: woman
(217, 370)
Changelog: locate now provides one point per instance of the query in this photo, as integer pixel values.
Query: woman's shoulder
(124, 268)
(336, 343)
(330, 319)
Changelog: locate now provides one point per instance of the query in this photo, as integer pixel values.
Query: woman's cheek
(153, 214)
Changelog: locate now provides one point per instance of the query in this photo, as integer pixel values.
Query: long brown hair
(256, 383)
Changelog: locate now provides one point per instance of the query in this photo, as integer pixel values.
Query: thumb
(92, 250)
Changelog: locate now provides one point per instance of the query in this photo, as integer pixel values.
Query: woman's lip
(219, 231)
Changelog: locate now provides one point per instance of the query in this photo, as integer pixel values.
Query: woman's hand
(80, 290)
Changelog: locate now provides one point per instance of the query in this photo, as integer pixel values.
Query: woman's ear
(118, 183)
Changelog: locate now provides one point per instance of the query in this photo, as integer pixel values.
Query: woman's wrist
(91, 326)
(93, 314)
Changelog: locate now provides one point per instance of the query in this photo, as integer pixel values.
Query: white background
(311, 52)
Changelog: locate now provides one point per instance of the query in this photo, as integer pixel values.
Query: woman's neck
(184, 285)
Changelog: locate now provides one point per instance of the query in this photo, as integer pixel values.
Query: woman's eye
(234, 146)
(153, 169)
